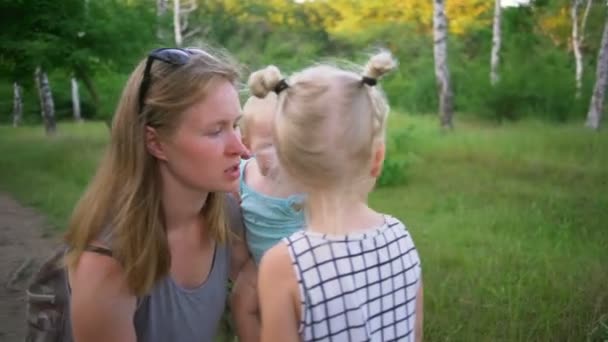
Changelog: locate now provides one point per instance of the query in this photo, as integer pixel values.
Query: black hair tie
(370, 81)
(282, 85)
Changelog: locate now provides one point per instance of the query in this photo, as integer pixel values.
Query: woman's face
(205, 150)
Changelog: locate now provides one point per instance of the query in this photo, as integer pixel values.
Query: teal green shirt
(268, 219)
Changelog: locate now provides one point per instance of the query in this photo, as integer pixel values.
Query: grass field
(511, 220)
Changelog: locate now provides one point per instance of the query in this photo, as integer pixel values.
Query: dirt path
(22, 247)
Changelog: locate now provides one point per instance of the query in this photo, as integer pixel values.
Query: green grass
(511, 221)
(50, 173)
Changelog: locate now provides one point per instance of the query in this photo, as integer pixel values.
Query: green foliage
(412, 86)
(258, 40)
(100, 45)
(71, 38)
(398, 150)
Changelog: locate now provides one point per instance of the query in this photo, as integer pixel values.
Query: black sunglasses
(173, 56)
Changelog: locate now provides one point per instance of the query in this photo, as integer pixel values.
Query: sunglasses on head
(173, 56)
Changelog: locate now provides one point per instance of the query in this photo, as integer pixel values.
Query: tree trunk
(496, 39)
(578, 37)
(576, 48)
(442, 72)
(584, 22)
(181, 12)
(46, 101)
(88, 83)
(177, 25)
(76, 100)
(594, 116)
(17, 104)
(161, 10)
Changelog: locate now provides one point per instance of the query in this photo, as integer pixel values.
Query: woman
(151, 247)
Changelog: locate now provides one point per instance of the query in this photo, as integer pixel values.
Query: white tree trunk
(442, 72)
(496, 40)
(161, 10)
(46, 101)
(177, 23)
(584, 21)
(578, 37)
(161, 7)
(76, 100)
(576, 47)
(17, 104)
(181, 11)
(594, 116)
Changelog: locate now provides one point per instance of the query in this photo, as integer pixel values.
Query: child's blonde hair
(251, 112)
(328, 120)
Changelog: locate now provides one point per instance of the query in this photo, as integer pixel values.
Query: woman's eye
(216, 131)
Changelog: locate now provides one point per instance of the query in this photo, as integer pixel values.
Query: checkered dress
(357, 287)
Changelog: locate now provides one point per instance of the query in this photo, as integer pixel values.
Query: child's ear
(154, 145)
(378, 159)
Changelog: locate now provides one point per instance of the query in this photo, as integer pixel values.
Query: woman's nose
(236, 146)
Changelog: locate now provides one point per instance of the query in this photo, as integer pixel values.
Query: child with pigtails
(351, 273)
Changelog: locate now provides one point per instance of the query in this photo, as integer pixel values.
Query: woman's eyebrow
(226, 122)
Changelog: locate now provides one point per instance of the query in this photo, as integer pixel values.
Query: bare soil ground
(26, 239)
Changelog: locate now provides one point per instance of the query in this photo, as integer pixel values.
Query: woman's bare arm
(101, 304)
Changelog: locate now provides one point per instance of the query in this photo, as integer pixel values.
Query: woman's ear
(154, 145)
(378, 159)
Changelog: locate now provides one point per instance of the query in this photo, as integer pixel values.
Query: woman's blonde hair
(123, 199)
(327, 120)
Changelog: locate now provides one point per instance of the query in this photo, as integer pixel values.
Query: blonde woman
(151, 246)
(353, 274)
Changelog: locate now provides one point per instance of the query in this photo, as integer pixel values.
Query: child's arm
(279, 298)
(244, 304)
(418, 327)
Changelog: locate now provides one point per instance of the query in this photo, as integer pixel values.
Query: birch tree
(578, 38)
(161, 11)
(75, 100)
(442, 72)
(46, 101)
(594, 116)
(496, 40)
(17, 104)
(181, 12)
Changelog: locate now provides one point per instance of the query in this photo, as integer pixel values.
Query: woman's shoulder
(96, 270)
(102, 306)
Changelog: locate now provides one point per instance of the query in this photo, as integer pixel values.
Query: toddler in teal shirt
(271, 205)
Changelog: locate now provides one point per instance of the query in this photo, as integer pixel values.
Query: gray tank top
(173, 313)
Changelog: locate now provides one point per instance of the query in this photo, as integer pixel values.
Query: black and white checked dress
(357, 287)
